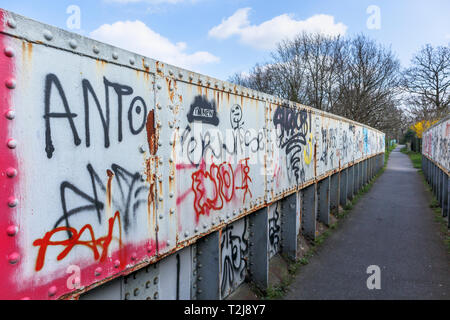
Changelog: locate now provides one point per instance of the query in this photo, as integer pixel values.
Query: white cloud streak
(137, 37)
(267, 34)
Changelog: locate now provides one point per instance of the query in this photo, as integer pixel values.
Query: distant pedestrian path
(391, 227)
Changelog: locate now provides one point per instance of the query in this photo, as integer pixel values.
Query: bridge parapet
(118, 166)
(436, 162)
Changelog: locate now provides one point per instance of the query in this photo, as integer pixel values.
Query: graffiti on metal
(112, 161)
(436, 144)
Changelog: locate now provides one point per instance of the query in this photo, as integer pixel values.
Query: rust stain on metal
(108, 188)
(27, 51)
(152, 136)
(315, 159)
(159, 68)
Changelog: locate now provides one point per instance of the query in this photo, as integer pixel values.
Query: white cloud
(137, 37)
(267, 34)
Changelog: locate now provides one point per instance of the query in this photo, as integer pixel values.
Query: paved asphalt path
(392, 227)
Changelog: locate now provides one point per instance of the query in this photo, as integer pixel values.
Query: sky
(222, 37)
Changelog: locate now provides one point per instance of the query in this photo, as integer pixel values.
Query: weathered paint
(436, 144)
(114, 166)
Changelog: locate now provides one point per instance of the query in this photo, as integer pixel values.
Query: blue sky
(219, 38)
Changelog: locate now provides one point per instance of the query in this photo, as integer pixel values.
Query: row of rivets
(73, 44)
(10, 83)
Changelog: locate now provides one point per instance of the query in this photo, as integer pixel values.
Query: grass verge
(278, 291)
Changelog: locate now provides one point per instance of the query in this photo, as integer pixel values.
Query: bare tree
(355, 78)
(427, 83)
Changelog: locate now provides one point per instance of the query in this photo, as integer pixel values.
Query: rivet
(172, 211)
(11, 23)
(136, 292)
(180, 75)
(146, 65)
(10, 115)
(12, 231)
(115, 56)
(13, 258)
(171, 125)
(161, 162)
(127, 296)
(171, 143)
(171, 195)
(158, 70)
(11, 172)
(141, 149)
(12, 144)
(161, 217)
(13, 202)
(159, 87)
(168, 243)
(186, 234)
(161, 199)
(52, 291)
(48, 35)
(98, 271)
(117, 264)
(73, 44)
(191, 78)
(170, 72)
(10, 83)
(200, 278)
(155, 296)
(195, 230)
(205, 226)
(133, 256)
(199, 291)
(9, 52)
(132, 61)
(96, 50)
(156, 280)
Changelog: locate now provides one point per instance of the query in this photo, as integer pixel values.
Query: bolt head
(11, 172)
(13, 202)
(12, 231)
(13, 258)
(52, 291)
(10, 115)
(12, 143)
(98, 271)
(48, 35)
(10, 83)
(9, 52)
(115, 55)
(73, 44)
(12, 23)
